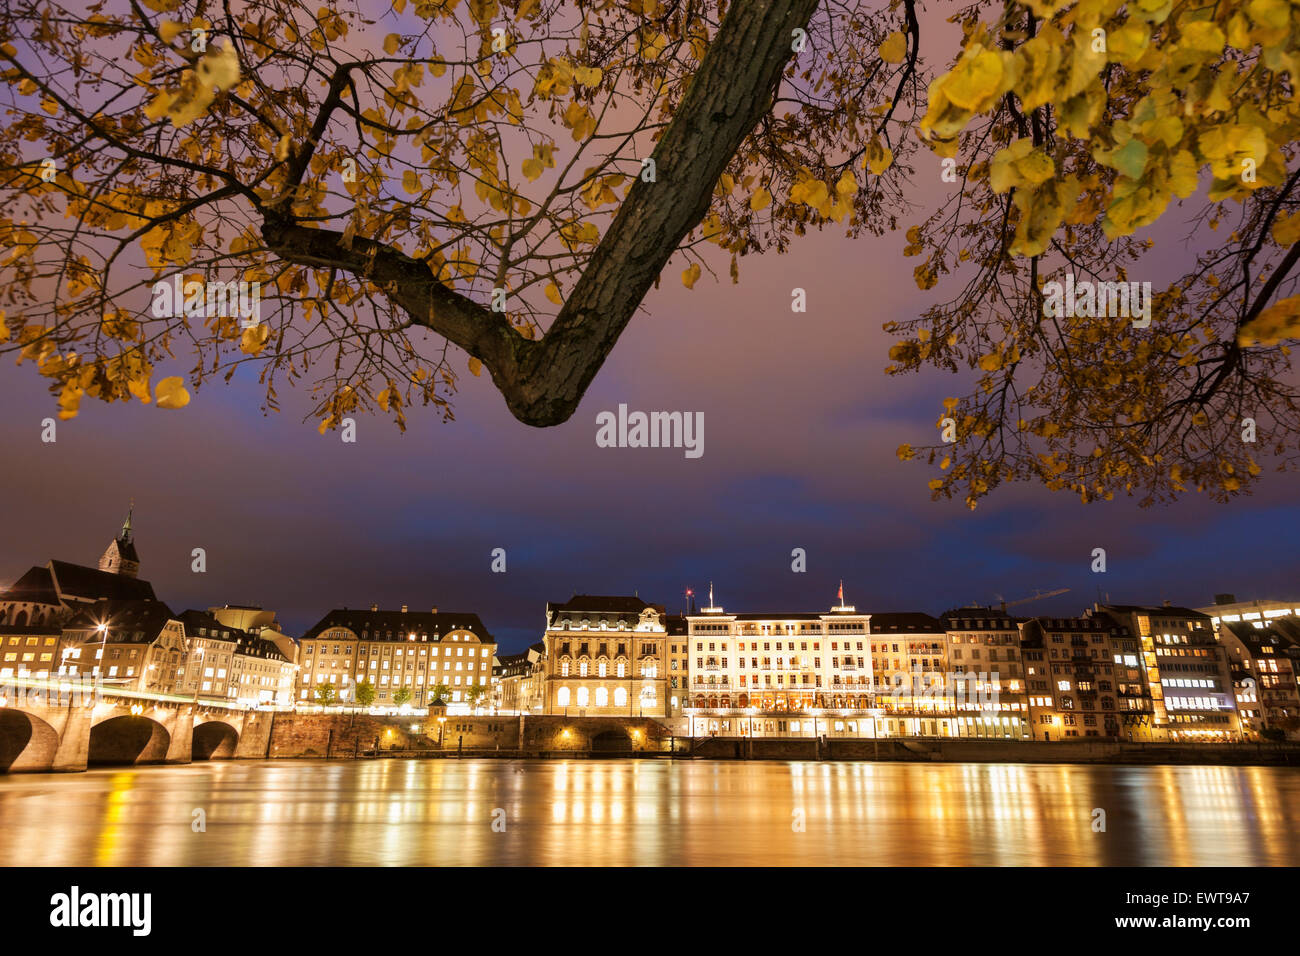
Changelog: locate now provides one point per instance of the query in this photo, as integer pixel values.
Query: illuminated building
(404, 655)
(909, 671)
(605, 656)
(679, 668)
(985, 644)
(131, 645)
(229, 664)
(1187, 671)
(1268, 655)
(779, 662)
(517, 681)
(1070, 679)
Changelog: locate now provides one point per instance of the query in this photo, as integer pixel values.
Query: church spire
(121, 557)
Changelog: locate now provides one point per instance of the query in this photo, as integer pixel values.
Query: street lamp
(198, 676)
(103, 645)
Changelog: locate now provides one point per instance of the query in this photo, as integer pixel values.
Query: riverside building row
(1128, 672)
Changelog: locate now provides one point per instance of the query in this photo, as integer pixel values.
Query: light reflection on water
(652, 812)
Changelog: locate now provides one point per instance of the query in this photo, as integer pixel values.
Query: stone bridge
(42, 729)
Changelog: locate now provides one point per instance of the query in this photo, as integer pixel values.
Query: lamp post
(198, 677)
(103, 649)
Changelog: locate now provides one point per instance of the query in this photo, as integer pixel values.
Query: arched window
(564, 667)
(602, 668)
(583, 696)
(582, 668)
(622, 668)
(620, 696)
(562, 697)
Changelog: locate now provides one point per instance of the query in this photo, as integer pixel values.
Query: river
(650, 812)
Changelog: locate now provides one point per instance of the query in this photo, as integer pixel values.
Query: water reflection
(630, 813)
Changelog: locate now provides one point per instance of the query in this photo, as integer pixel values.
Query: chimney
(434, 610)
(1166, 602)
(374, 607)
(403, 608)
(1225, 599)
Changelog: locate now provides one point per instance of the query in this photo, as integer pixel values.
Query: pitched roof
(980, 618)
(202, 624)
(371, 625)
(34, 587)
(903, 621)
(1281, 635)
(129, 622)
(75, 582)
(1164, 610)
(602, 603)
(600, 606)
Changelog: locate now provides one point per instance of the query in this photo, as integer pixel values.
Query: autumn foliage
(504, 180)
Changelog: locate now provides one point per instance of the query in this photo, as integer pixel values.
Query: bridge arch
(26, 742)
(214, 740)
(128, 739)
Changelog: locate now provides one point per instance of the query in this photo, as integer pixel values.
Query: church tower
(121, 557)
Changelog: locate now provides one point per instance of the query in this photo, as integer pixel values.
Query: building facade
(1267, 657)
(401, 657)
(1187, 671)
(605, 656)
(983, 644)
(779, 662)
(130, 645)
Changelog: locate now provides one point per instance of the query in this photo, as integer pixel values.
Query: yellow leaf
(1286, 230)
(1281, 320)
(475, 366)
(391, 43)
(159, 105)
(587, 75)
(219, 68)
(282, 149)
(690, 275)
(553, 293)
(879, 157)
(169, 29)
(411, 181)
(894, 48)
(254, 339)
(761, 199)
(171, 393)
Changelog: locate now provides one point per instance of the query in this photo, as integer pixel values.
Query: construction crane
(1038, 596)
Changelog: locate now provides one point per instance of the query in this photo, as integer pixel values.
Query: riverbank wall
(347, 736)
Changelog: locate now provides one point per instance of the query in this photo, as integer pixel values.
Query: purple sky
(800, 430)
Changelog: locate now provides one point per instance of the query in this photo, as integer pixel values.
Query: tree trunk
(544, 380)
